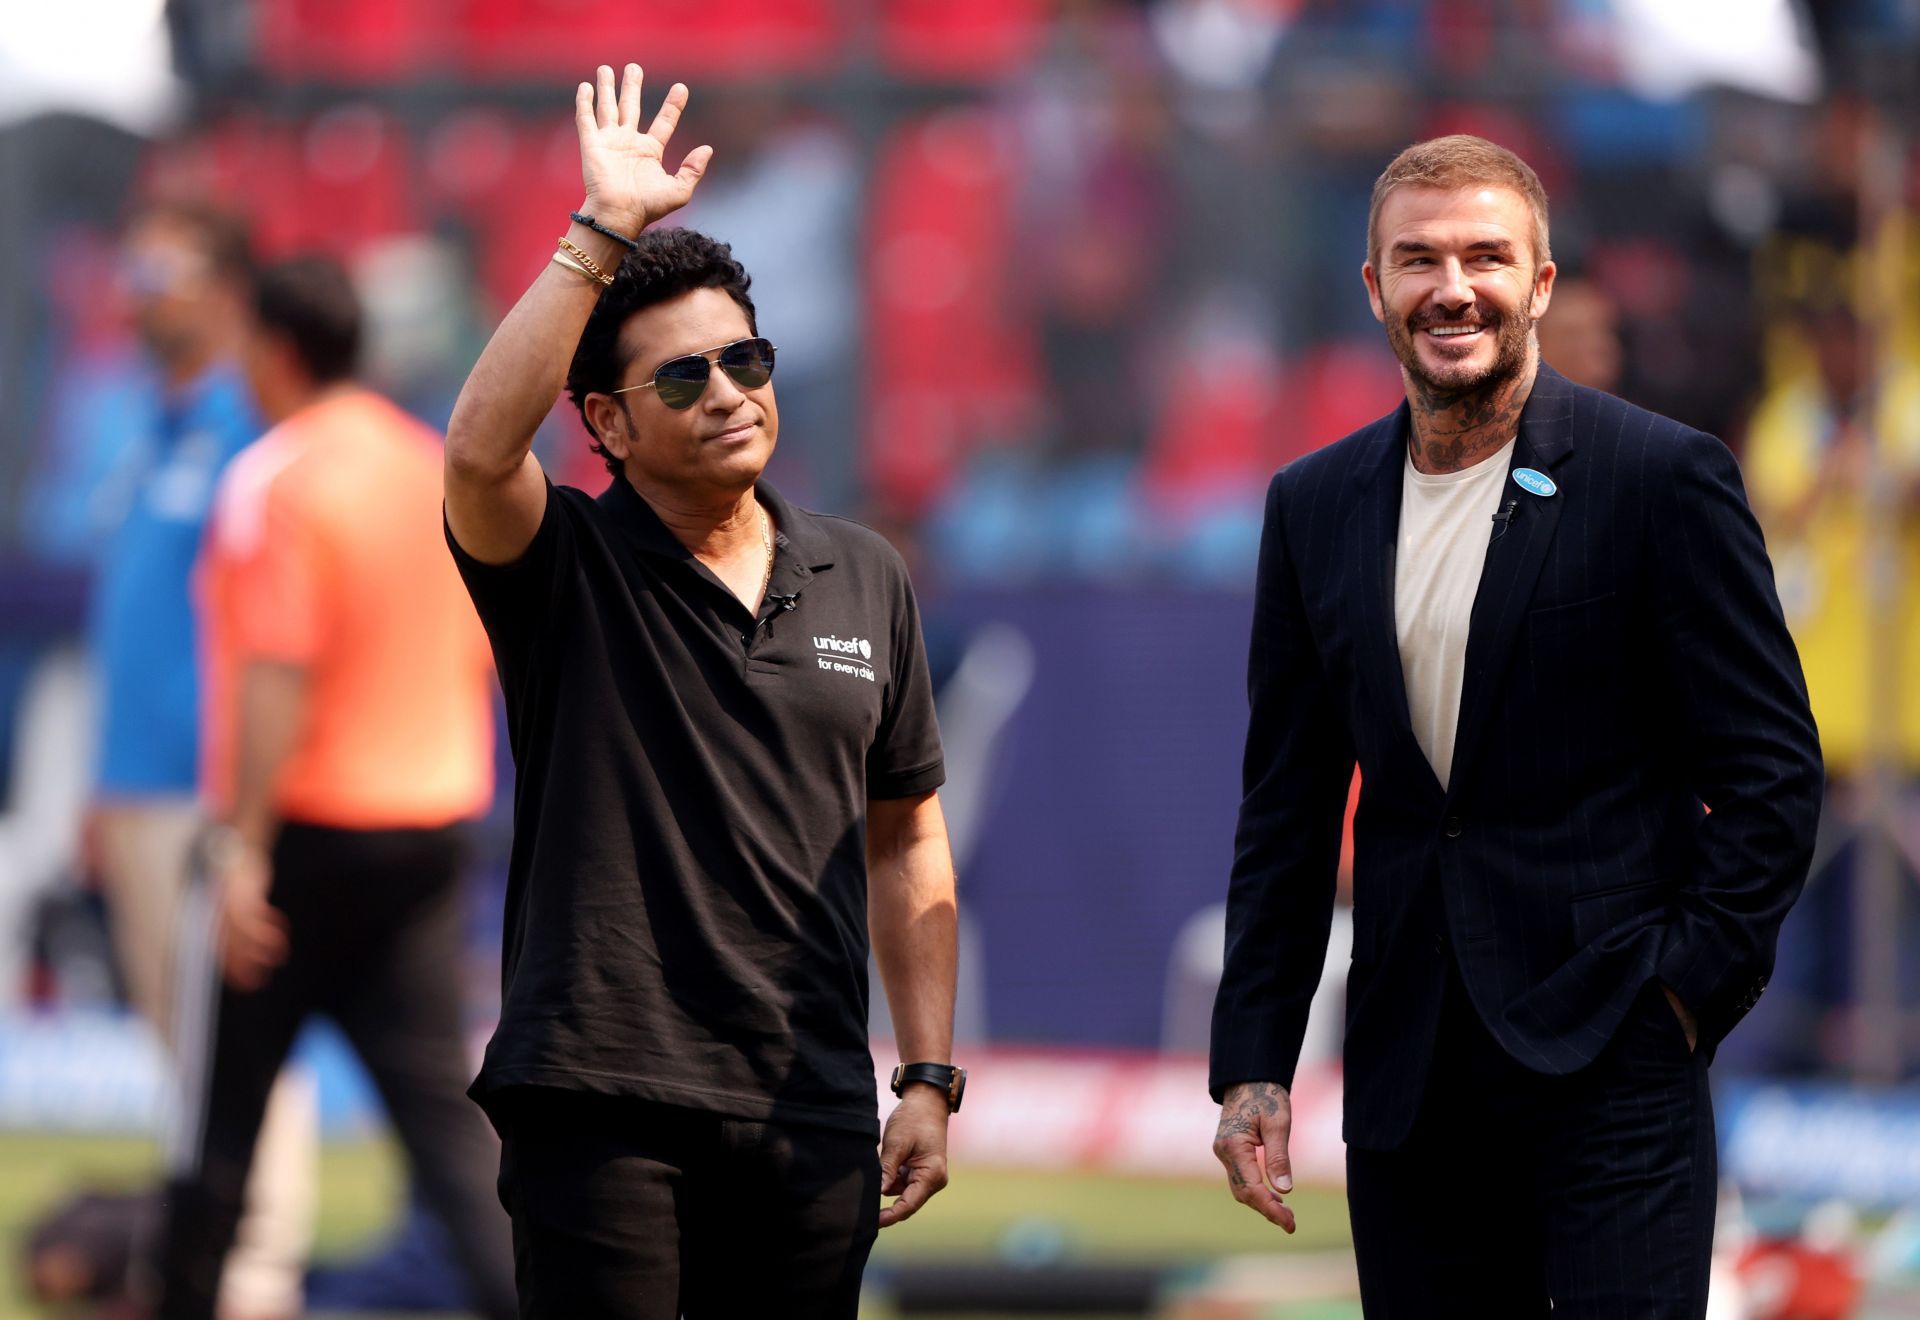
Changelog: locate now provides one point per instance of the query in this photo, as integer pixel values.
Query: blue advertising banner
(1815, 1140)
(1095, 817)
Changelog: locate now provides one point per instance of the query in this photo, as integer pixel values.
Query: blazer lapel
(1377, 644)
(1514, 558)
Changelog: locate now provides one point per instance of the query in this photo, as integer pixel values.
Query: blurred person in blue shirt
(141, 626)
(187, 270)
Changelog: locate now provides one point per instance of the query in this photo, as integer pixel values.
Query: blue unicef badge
(1534, 483)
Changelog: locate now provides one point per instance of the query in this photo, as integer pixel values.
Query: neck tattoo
(1455, 431)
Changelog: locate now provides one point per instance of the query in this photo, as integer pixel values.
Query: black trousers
(1590, 1195)
(376, 924)
(630, 1210)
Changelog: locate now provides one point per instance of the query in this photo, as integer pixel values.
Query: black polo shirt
(686, 911)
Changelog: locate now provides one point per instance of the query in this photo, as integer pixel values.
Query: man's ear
(608, 421)
(1542, 290)
(1371, 278)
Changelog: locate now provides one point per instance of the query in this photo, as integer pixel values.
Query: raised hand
(624, 169)
(1256, 1120)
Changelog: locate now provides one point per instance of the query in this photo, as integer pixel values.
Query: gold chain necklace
(766, 540)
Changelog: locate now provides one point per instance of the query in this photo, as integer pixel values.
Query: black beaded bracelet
(632, 244)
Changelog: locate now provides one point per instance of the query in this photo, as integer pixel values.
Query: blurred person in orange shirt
(348, 736)
(186, 269)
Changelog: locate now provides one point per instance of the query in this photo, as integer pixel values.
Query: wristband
(580, 217)
(945, 1076)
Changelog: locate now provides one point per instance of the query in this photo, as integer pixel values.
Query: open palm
(624, 169)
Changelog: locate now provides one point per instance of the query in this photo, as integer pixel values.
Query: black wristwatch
(945, 1076)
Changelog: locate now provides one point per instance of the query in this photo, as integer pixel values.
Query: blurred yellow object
(1811, 483)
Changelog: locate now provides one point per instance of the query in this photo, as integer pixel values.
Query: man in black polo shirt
(721, 715)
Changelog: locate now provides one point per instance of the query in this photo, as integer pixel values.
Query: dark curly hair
(667, 264)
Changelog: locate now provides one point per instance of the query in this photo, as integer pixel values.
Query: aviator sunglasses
(681, 381)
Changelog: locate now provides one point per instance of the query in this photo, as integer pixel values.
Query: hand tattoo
(1246, 1104)
(1250, 1098)
(1256, 1114)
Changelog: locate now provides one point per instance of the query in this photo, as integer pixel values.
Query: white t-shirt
(1446, 523)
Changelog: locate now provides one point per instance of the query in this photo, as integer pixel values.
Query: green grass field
(984, 1214)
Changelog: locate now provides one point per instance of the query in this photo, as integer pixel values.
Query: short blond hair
(1461, 161)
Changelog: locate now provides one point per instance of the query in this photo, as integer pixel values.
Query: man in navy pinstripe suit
(1544, 624)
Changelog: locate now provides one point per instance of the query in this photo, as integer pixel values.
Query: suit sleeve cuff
(1717, 992)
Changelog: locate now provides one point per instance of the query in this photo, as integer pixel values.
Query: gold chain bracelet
(562, 259)
(587, 263)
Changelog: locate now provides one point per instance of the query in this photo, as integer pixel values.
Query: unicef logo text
(859, 646)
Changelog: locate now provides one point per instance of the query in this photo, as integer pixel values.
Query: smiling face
(1457, 285)
(719, 446)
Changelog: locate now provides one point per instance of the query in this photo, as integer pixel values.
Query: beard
(1452, 382)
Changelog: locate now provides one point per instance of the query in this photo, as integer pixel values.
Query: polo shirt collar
(799, 532)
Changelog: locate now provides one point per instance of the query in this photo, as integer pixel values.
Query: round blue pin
(1534, 483)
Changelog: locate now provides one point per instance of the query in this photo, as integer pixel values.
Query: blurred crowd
(1056, 287)
(1057, 284)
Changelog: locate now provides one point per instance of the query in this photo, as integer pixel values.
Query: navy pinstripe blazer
(1626, 662)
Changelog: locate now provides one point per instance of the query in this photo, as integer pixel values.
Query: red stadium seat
(952, 367)
(511, 183)
(237, 162)
(1240, 416)
(357, 181)
(352, 40)
(672, 39)
(331, 182)
(248, 163)
(1332, 390)
(941, 39)
(1215, 433)
(1512, 131)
